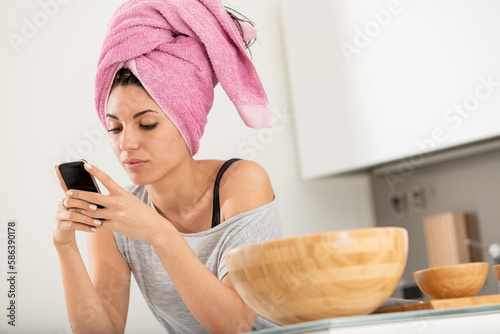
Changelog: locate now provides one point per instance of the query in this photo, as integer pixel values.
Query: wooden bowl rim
(325, 234)
(458, 266)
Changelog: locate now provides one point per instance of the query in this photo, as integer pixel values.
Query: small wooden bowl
(333, 274)
(496, 270)
(461, 280)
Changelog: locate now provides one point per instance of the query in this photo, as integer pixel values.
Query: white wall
(47, 114)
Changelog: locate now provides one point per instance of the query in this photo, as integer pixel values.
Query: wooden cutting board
(441, 304)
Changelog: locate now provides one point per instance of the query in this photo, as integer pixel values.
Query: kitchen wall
(470, 185)
(49, 49)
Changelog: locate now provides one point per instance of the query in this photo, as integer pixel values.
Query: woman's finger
(100, 214)
(88, 196)
(74, 216)
(75, 226)
(105, 179)
(75, 203)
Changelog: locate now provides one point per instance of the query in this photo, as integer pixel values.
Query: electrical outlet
(417, 199)
(399, 204)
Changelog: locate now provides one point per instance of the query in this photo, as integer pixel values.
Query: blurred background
(385, 113)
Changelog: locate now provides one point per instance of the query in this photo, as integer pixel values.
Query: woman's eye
(114, 130)
(149, 126)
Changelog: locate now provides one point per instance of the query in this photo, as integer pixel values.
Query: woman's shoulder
(244, 186)
(249, 175)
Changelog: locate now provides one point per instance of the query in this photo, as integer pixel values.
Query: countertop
(476, 319)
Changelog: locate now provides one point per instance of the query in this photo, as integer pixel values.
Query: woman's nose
(129, 140)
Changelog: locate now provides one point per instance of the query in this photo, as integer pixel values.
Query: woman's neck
(182, 194)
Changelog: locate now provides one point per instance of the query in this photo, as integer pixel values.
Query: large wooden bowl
(496, 270)
(333, 274)
(461, 280)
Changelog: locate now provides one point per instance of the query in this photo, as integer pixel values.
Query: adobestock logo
(372, 29)
(252, 145)
(30, 27)
(85, 146)
(470, 104)
(453, 119)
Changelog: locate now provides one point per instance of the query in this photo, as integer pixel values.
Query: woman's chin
(139, 180)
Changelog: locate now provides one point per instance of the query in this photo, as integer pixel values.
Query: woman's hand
(123, 212)
(67, 220)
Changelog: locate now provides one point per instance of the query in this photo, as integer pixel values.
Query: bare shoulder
(244, 186)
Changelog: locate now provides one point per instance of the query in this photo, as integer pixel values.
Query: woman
(171, 228)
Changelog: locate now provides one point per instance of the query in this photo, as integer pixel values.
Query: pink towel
(180, 50)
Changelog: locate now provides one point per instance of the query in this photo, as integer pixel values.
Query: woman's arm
(214, 303)
(100, 304)
(99, 307)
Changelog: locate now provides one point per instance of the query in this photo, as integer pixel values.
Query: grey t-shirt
(257, 225)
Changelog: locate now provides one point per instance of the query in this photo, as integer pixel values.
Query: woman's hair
(237, 18)
(125, 77)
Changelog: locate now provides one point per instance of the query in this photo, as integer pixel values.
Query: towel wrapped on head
(180, 50)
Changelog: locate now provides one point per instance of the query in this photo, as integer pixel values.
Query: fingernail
(88, 166)
(74, 210)
(97, 221)
(93, 207)
(69, 193)
(93, 229)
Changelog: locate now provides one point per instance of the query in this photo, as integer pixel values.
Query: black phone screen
(76, 177)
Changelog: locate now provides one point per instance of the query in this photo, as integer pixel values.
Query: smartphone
(76, 177)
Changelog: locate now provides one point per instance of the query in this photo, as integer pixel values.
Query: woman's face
(145, 141)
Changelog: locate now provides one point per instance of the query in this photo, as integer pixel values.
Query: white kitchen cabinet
(374, 82)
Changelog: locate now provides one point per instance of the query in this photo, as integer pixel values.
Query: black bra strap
(216, 207)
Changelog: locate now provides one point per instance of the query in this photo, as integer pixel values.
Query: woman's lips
(134, 164)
